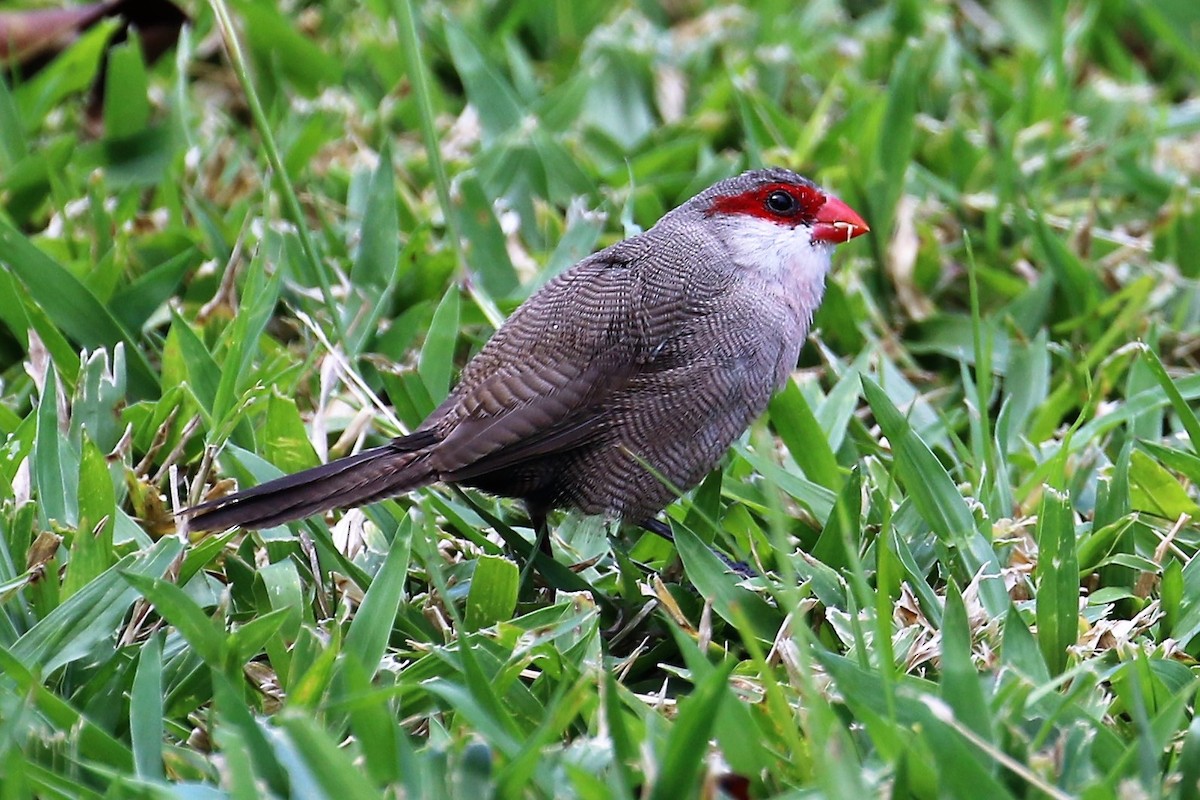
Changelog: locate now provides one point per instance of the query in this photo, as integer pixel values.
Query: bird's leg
(660, 528)
(541, 528)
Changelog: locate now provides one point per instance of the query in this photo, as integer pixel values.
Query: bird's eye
(780, 202)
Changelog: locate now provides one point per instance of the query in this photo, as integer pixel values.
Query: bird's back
(621, 381)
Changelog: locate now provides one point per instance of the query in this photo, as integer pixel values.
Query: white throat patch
(780, 254)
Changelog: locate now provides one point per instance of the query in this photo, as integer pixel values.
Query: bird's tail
(382, 472)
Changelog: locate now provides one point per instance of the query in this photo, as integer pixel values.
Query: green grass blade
(379, 248)
(938, 499)
(493, 594)
(92, 548)
(1180, 406)
(90, 616)
(714, 580)
(795, 423)
(679, 769)
(1057, 580)
(200, 631)
(72, 306)
(146, 712)
(372, 625)
(330, 770)
(291, 202)
(960, 681)
(437, 356)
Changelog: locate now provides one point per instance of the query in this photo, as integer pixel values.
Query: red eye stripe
(754, 202)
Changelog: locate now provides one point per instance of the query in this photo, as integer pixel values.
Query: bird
(620, 382)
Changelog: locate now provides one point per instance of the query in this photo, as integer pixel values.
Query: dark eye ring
(780, 202)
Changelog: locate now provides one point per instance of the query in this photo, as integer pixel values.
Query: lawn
(971, 514)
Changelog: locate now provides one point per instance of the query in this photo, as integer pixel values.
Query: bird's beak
(837, 222)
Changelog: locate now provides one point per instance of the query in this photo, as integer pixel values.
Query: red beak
(837, 222)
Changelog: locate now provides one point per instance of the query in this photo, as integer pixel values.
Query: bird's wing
(550, 424)
(536, 386)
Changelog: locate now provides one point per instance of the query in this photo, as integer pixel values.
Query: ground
(972, 510)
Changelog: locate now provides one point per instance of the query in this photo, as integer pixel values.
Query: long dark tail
(382, 472)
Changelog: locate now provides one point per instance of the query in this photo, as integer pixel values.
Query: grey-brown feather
(622, 379)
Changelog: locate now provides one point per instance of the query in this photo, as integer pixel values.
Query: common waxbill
(620, 381)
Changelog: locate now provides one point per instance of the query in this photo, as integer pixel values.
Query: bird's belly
(664, 430)
(663, 435)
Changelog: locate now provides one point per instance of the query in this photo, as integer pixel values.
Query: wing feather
(536, 386)
(550, 377)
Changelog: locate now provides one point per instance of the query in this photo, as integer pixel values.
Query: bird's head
(774, 219)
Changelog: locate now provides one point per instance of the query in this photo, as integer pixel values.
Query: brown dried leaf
(667, 601)
(32, 38)
(43, 549)
(901, 261)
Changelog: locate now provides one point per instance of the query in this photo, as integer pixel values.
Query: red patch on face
(784, 203)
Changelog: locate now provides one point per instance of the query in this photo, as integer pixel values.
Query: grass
(973, 508)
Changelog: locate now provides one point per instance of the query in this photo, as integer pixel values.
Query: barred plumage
(644, 361)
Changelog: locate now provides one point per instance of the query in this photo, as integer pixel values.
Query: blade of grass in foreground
(70, 631)
(146, 711)
(1057, 580)
(938, 499)
(369, 630)
(679, 768)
